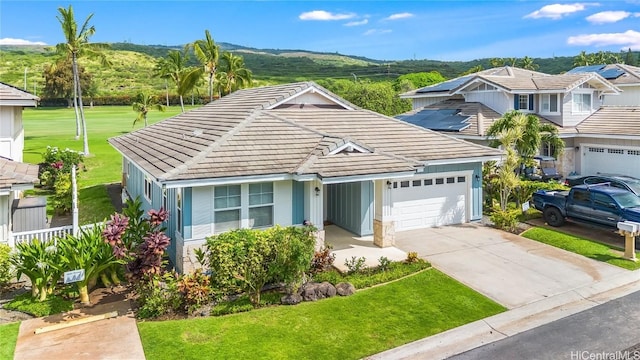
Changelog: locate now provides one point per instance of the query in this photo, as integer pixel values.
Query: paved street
(601, 330)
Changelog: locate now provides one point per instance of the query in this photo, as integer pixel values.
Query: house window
(582, 102)
(404, 184)
(439, 181)
(451, 180)
(147, 188)
(523, 102)
(461, 179)
(546, 149)
(260, 205)
(549, 103)
(227, 202)
(428, 182)
(417, 182)
(179, 210)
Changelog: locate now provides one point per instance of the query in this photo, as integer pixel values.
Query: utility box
(29, 213)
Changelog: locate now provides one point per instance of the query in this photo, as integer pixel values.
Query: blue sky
(384, 30)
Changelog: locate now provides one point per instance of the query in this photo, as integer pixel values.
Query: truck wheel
(553, 216)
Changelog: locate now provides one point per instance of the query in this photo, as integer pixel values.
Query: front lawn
(368, 322)
(8, 338)
(578, 245)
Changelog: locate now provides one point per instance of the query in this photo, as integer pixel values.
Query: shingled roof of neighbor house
(12, 94)
(274, 130)
(612, 120)
(16, 173)
(617, 74)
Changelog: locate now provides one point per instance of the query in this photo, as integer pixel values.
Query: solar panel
(612, 73)
(444, 86)
(583, 69)
(439, 120)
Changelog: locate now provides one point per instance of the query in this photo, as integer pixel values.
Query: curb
(482, 332)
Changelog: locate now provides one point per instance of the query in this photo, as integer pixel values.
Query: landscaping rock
(345, 289)
(202, 311)
(315, 291)
(291, 299)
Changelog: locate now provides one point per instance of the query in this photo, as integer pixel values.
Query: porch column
(314, 208)
(384, 233)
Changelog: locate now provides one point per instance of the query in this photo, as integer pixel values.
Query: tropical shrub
(56, 162)
(62, 198)
(6, 269)
(355, 265)
(412, 257)
(41, 263)
(322, 259)
(158, 295)
(293, 249)
(505, 219)
(525, 189)
(195, 290)
(384, 263)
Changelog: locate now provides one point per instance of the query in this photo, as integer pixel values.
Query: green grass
(578, 245)
(396, 271)
(53, 305)
(56, 127)
(8, 338)
(368, 322)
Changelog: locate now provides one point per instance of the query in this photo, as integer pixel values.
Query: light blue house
(289, 153)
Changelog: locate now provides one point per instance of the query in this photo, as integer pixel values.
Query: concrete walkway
(537, 282)
(115, 338)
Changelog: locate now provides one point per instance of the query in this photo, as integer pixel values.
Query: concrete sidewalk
(115, 338)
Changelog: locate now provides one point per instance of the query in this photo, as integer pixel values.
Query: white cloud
(399, 16)
(605, 17)
(324, 16)
(357, 23)
(10, 41)
(627, 39)
(557, 11)
(376, 32)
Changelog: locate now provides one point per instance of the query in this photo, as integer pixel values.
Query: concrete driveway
(507, 268)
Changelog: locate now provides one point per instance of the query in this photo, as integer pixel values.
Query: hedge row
(125, 100)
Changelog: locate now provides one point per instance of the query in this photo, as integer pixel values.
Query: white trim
(372, 177)
(234, 180)
(558, 104)
(350, 146)
(21, 187)
(33, 103)
(314, 90)
(462, 87)
(605, 136)
(4, 192)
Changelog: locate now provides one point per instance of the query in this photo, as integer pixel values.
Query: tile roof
(617, 74)
(240, 134)
(612, 120)
(16, 173)
(11, 93)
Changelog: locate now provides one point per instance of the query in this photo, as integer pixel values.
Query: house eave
(371, 177)
(172, 184)
(463, 160)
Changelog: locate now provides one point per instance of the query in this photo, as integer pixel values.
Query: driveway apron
(510, 269)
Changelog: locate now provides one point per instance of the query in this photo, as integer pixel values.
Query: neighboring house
(289, 153)
(15, 176)
(586, 105)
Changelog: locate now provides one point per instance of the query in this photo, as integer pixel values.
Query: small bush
(322, 259)
(506, 220)
(355, 265)
(384, 263)
(56, 162)
(27, 304)
(195, 290)
(6, 269)
(63, 194)
(412, 257)
(159, 295)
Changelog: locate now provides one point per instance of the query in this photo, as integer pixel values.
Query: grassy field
(56, 127)
(368, 322)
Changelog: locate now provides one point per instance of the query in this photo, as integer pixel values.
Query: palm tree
(174, 67)
(531, 134)
(233, 75)
(582, 59)
(145, 103)
(77, 45)
(208, 53)
(497, 62)
(528, 64)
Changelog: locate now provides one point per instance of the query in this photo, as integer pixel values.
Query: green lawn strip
(396, 271)
(53, 305)
(365, 323)
(8, 339)
(591, 249)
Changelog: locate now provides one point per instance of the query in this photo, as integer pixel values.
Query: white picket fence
(45, 234)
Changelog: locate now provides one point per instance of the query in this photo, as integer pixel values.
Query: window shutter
(516, 101)
(531, 102)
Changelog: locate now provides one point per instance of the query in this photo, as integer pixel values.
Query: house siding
(476, 186)
(630, 96)
(419, 103)
(570, 118)
(350, 206)
(496, 100)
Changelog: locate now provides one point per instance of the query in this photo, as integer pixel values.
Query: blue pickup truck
(598, 204)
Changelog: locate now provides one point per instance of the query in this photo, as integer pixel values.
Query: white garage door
(428, 202)
(619, 160)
